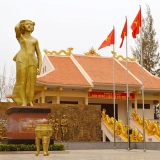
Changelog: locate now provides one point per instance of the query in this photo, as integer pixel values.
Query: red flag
(124, 33)
(108, 41)
(136, 24)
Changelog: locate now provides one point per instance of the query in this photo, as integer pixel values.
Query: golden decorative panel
(76, 122)
(69, 122)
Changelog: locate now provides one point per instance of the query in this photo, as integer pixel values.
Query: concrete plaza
(103, 154)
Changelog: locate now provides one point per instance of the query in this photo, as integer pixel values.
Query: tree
(151, 58)
(3, 84)
(11, 82)
(6, 84)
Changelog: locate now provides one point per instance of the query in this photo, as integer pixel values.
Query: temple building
(92, 79)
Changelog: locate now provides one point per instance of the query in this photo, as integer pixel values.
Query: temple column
(59, 89)
(135, 104)
(86, 95)
(58, 98)
(43, 96)
(39, 100)
(86, 98)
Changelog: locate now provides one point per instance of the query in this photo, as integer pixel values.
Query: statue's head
(23, 24)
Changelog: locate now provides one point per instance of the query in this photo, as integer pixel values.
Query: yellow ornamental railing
(121, 129)
(151, 127)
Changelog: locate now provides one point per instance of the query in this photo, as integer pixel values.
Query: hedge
(29, 147)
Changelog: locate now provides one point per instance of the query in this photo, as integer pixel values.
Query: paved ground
(118, 154)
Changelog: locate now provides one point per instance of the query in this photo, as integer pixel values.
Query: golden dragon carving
(121, 129)
(68, 52)
(136, 136)
(123, 58)
(152, 127)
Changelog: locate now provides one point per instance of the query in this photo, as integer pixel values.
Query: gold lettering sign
(27, 125)
(110, 95)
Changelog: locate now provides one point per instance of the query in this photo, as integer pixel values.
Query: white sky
(80, 24)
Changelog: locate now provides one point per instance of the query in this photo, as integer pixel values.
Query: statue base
(22, 120)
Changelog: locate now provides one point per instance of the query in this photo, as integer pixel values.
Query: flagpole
(128, 123)
(114, 91)
(107, 42)
(144, 145)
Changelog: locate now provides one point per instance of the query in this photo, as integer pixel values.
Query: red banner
(109, 95)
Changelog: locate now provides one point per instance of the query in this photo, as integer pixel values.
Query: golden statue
(52, 122)
(64, 125)
(27, 65)
(56, 129)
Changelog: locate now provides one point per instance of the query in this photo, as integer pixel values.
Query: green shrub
(29, 147)
(56, 147)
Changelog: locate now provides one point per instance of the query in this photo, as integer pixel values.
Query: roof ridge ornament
(68, 52)
(92, 52)
(123, 58)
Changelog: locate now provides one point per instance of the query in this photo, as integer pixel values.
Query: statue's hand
(38, 71)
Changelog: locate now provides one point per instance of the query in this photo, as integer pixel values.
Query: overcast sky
(80, 24)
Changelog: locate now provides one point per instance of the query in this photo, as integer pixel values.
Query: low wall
(110, 145)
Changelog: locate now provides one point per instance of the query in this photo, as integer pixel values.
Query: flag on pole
(124, 33)
(108, 41)
(136, 24)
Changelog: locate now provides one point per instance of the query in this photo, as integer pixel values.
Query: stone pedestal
(21, 122)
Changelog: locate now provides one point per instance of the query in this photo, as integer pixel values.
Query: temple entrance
(156, 111)
(110, 110)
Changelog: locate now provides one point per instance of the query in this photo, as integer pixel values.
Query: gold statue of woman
(28, 64)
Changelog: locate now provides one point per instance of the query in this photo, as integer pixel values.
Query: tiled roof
(65, 73)
(150, 81)
(100, 69)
